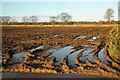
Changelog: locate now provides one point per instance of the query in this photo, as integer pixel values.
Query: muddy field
(58, 50)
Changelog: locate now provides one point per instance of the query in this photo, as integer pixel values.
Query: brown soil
(22, 39)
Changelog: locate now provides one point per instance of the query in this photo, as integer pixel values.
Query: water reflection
(87, 55)
(60, 54)
(55, 35)
(19, 56)
(80, 37)
(87, 45)
(40, 47)
(71, 58)
(93, 38)
(22, 55)
(101, 57)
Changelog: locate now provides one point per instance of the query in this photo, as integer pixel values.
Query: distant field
(81, 25)
(14, 36)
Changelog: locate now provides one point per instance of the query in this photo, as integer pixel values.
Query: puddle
(53, 49)
(60, 54)
(87, 45)
(40, 47)
(55, 35)
(80, 37)
(87, 55)
(3, 57)
(101, 57)
(71, 58)
(13, 48)
(93, 38)
(19, 56)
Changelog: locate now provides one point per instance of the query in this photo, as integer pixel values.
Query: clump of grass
(114, 50)
(114, 46)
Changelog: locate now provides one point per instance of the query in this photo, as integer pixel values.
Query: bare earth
(68, 45)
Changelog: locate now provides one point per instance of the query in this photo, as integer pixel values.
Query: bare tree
(6, 19)
(13, 20)
(109, 15)
(34, 19)
(25, 19)
(53, 19)
(64, 17)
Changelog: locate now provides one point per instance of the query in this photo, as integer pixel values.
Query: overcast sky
(80, 11)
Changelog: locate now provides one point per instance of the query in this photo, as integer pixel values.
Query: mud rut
(44, 62)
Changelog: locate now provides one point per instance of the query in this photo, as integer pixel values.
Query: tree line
(60, 23)
(61, 19)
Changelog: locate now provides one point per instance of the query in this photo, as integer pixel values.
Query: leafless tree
(109, 14)
(13, 20)
(25, 19)
(34, 19)
(53, 19)
(64, 17)
(6, 19)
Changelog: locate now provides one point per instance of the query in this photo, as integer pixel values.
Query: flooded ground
(41, 50)
(60, 54)
(55, 35)
(41, 47)
(80, 37)
(94, 38)
(101, 57)
(87, 54)
(71, 58)
(88, 45)
(19, 56)
(22, 55)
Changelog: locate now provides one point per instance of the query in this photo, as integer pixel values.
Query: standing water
(60, 54)
(53, 49)
(19, 56)
(87, 55)
(93, 38)
(80, 37)
(40, 47)
(71, 58)
(101, 57)
(22, 55)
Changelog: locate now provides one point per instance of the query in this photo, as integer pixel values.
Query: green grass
(114, 46)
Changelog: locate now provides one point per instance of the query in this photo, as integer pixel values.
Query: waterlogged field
(58, 50)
